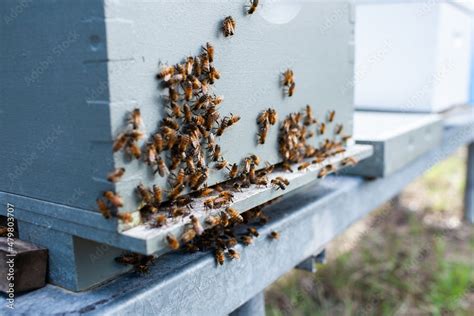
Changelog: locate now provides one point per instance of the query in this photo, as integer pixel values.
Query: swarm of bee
(225, 231)
(294, 148)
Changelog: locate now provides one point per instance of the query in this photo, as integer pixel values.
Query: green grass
(402, 266)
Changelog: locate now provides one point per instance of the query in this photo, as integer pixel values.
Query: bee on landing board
(173, 243)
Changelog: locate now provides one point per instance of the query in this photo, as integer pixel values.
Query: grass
(412, 258)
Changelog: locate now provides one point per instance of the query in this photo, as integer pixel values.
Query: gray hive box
(397, 139)
(72, 71)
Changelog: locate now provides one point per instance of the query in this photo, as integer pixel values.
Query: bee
(151, 154)
(232, 120)
(144, 193)
(255, 159)
(205, 64)
(171, 123)
(226, 195)
(253, 6)
(253, 231)
(160, 220)
(188, 115)
(188, 66)
(197, 180)
(212, 220)
(175, 191)
(202, 102)
(213, 75)
(135, 135)
(338, 129)
(325, 171)
(247, 240)
(177, 211)
(173, 94)
(197, 225)
(162, 169)
(274, 235)
(262, 135)
(216, 153)
(104, 210)
(304, 166)
(288, 77)
(119, 142)
(331, 115)
(234, 254)
(173, 243)
(349, 161)
(179, 178)
(188, 235)
(115, 175)
(183, 201)
(125, 217)
(272, 116)
(309, 118)
(157, 194)
(291, 89)
(135, 151)
(204, 192)
(222, 126)
(220, 164)
(261, 181)
(135, 118)
(220, 256)
(233, 171)
(278, 184)
(113, 198)
(188, 90)
(228, 26)
(209, 49)
(158, 142)
(234, 215)
(231, 242)
(190, 164)
(262, 118)
(224, 219)
(197, 71)
(165, 73)
(175, 109)
(252, 174)
(209, 203)
(287, 167)
(175, 162)
(322, 128)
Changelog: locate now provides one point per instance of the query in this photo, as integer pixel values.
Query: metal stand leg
(469, 193)
(253, 307)
(310, 263)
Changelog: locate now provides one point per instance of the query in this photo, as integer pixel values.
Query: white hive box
(412, 55)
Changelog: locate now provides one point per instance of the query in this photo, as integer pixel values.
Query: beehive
(73, 80)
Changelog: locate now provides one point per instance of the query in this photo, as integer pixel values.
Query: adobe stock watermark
(10, 257)
(16, 11)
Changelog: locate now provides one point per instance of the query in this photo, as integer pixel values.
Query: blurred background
(412, 256)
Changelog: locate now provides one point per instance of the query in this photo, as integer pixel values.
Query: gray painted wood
(71, 71)
(398, 139)
(181, 284)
